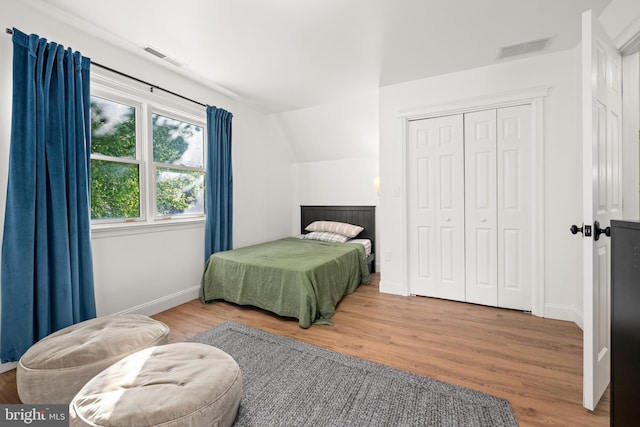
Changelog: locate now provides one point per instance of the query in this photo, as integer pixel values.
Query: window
(115, 165)
(147, 160)
(178, 159)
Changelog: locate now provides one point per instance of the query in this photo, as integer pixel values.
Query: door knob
(585, 230)
(598, 231)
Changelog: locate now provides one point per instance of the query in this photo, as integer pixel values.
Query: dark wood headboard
(364, 216)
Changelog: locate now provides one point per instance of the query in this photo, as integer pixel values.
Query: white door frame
(628, 43)
(630, 136)
(533, 96)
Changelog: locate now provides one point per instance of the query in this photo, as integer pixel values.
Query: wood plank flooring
(534, 363)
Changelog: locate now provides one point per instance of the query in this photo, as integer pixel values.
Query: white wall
(151, 271)
(344, 129)
(621, 18)
(5, 134)
(336, 151)
(631, 137)
(561, 153)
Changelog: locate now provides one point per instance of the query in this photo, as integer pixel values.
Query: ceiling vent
(524, 48)
(154, 52)
(161, 55)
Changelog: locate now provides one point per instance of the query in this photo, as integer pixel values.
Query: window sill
(99, 231)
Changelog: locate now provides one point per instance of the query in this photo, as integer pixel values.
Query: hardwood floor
(534, 363)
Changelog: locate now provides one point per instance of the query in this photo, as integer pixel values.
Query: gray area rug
(290, 383)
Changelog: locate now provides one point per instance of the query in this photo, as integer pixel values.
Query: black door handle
(585, 230)
(598, 231)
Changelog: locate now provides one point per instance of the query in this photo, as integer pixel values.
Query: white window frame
(146, 102)
(153, 165)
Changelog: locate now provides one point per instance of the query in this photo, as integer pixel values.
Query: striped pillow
(343, 228)
(326, 236)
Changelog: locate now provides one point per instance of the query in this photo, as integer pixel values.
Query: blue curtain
(47, 271)
(219, 185)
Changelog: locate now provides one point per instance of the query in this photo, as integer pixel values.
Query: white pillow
(343, 228)
(326, 236)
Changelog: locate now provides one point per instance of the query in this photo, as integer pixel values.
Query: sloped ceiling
(282, 55)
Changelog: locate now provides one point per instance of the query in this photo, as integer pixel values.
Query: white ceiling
(281, 55)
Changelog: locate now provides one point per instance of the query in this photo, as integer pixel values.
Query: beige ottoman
(56, 367)
(181, 384)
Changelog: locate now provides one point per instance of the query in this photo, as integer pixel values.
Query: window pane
(179, 192)
(113, 128)
(177, 143)
(115, 190)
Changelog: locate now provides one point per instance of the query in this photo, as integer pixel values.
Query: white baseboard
(579, 319)
(150, 308)
(161, 304)
(561, 312)
(4, 367)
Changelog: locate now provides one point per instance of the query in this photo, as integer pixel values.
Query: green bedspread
(291, 277)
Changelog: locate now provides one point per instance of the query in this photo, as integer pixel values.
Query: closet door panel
(514, 207)
(422, 146)
(450, 238)
(436, 207)
(512, 277)
(425, 254)
(480, 208)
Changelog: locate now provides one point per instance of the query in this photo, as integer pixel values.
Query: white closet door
(481, 208)
(436, 197)
(514, 207)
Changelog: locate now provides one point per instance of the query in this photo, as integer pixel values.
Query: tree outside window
(178, 155)
(176, 169)
(115, 169)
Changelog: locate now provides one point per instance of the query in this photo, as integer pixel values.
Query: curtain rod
(152, 86)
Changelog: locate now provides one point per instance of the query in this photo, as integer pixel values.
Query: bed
(296, 276)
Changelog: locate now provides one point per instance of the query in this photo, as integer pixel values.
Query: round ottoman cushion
(180, 384)
(56, 367)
